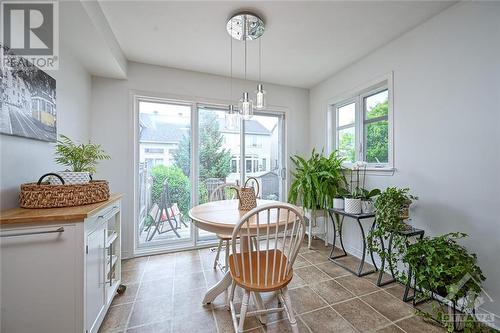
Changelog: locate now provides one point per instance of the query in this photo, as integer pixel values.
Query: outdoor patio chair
(166, 212)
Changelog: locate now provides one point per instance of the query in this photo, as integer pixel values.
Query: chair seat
(256, 279)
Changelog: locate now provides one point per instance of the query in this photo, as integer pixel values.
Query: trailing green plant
(79, 157)
(316, 181)
(389, 207)
(444, 267)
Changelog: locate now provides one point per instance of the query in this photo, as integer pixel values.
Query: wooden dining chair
(278, 229)
(222, 192)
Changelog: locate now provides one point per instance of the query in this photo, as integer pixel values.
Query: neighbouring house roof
(251, 127)
(254, 127)
(159, 131)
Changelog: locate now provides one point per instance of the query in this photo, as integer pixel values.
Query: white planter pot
(70, 178)
(367, 206)
(352, 206)
(338, 203)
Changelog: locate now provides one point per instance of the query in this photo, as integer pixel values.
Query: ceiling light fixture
(246, 26)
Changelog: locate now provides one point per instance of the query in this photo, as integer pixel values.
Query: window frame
(358, 96)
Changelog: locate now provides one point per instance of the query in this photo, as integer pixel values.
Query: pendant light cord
(231, 69)
(245, 58)
(260, 60)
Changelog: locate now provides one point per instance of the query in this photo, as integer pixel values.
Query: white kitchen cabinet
(59, 268)
(94, 276)
(38, 280)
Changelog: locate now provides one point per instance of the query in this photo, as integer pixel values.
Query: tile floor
(164, 294)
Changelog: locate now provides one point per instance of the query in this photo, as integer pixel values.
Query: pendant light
(245, 26)
(260, 94)
(246, 106)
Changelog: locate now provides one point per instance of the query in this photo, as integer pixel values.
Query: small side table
(413, 232)
(358, 218)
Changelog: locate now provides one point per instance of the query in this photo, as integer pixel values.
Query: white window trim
(356, 95)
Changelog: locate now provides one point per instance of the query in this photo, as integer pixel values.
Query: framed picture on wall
(28, 101)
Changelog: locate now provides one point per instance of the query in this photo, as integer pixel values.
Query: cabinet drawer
(103, 215)
(38, 282)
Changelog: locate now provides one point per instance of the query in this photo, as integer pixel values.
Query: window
(154, 150)
(362, 126)
(376, 127)
(234, 165)
(248, 164)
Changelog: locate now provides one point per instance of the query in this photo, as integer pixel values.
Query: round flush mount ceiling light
(245, 26)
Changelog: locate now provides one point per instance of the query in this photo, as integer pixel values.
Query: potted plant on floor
(444, 268)
(81, 159)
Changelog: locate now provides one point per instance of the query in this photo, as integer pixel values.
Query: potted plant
(443, 267)
(316, 181)
(367, 203)
(80, 158)
(390, 206)
(352, 202)
(338, 201)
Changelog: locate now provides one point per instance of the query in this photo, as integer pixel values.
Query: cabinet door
(95, 279)
(38, 282)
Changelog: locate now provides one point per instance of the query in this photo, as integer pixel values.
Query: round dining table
(221, 217)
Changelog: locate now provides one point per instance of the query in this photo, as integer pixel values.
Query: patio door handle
(283, 173)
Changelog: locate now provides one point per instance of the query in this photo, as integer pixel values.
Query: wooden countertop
(68, 214)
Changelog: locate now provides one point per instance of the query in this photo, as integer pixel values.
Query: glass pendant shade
(260, 100)
(232, 118)
(246, 106)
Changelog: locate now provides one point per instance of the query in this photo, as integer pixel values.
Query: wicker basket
(44, 195)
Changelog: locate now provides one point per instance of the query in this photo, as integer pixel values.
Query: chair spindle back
(223, 192)
(270, 238)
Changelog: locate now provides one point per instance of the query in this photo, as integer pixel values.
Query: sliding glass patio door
(218, 149)
(164, 174)
(186, 150)
(264, 154)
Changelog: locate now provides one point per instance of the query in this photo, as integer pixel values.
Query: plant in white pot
(338, 201)
(367, 202)
(352, 202)
(81, 159)
(316, 182)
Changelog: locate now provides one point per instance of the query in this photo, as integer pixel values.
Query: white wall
(112, 119)
(25, 160)
(447, 126)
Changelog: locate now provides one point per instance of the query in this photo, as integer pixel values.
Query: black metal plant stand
(413, 232)
(358, 218)
(443, 301)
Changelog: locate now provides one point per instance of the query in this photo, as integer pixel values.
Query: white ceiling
(304, 42)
